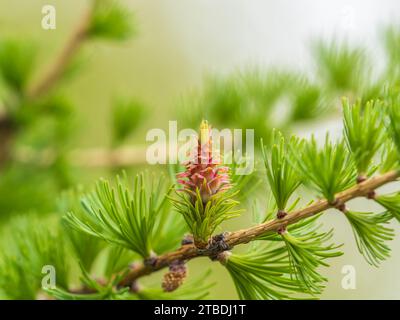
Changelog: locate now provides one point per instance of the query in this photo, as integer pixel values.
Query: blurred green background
(178, 46)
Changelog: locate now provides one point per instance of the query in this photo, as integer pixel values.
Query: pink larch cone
(205, 172)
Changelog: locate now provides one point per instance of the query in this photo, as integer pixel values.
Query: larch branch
(53, 75)
(87, 158)
(62, 61)
(232, 239)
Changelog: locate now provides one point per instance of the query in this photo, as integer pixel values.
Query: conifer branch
(103, 19)
(57, 69)
(6, 137)
(232, 239)
(7, 128)
(85, 158)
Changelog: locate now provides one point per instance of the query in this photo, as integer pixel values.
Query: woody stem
(232, 239)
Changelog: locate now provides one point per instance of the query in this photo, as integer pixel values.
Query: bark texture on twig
(57, 69)
(232, 239)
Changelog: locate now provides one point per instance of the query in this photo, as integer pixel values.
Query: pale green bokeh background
(178, 42)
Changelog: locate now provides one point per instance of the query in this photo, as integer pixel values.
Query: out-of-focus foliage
(250, 99)
(274, 98)
(110, 21)
(85, 247)
(194, 289)
(23, 261)
(341, 66)
(115, 224)
(394, 124)
(391, 37)
(127, 115)
(16, 63)
(286, 264)
(40, 127)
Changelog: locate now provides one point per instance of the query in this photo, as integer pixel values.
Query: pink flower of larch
(204, 173)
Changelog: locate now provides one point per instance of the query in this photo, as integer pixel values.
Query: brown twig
(87, 158)
(62, 61)
(7, 128)
(55, 72)
(189, 251)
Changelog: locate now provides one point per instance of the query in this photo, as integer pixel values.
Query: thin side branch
(85, 158)
(59, 66)
(55, 72)
(232, 239)
(7, 129)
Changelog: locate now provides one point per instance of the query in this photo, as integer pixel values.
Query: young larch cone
(174, 278)
(204, 173)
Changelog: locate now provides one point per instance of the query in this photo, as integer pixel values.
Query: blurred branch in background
(6, 136)
(36, 159)
(261, 99)
(104, 19)
(85, 158)
(272, 98)
(37, 116)
(7, 124)
(341, 67)
(63, 60)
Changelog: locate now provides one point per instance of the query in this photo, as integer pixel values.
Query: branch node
(223, 257)
(334, 203)
(361, 178)
(187, 239)
(371, 195)
(339, 205)
(281, 214)
(200, 244)
(186, 253)
(282, 230)
(216, 245)
(151, 261)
